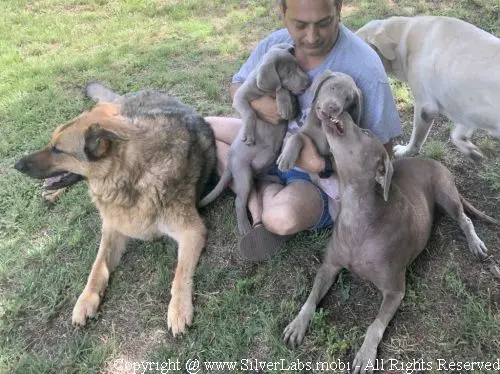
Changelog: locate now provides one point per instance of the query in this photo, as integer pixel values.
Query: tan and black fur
(146, 158)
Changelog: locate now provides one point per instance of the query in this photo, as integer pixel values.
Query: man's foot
(259, 244)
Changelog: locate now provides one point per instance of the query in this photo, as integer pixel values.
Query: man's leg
(293, 208)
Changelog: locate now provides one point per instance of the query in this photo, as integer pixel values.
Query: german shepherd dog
(146, 158)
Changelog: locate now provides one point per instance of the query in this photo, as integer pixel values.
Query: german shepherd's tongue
(64, 179)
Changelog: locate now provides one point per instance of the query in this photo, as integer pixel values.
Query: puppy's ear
(356, 109)
(318, 82)
(98, 142)
(383, 174)
(383, 43)
(268, 79)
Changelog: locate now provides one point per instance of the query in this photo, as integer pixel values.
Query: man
(321, 42)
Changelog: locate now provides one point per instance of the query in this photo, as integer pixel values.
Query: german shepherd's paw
(86, 306)
(180, 314)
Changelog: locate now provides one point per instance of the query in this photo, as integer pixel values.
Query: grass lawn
(49, 50)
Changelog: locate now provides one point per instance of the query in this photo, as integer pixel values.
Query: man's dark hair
(338, 4)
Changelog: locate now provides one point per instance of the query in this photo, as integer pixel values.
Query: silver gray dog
(333, 93)
(256, 147)
(384, 223)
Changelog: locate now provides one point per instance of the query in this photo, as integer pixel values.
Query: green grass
(49, 50)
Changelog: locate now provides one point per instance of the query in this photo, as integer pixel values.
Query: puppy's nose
(20, 166)
(334, 108)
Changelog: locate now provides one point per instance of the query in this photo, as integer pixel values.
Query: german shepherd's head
(75, 148)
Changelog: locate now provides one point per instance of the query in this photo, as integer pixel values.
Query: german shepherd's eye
(55, 150)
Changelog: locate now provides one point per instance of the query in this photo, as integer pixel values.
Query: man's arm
(265, 106)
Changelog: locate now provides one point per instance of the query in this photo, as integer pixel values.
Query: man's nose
(312, 35)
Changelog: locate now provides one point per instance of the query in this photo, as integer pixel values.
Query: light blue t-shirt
(352, 56)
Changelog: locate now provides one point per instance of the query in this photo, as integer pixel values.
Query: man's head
(312, 24)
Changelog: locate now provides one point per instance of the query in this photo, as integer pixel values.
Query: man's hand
(265, 106)
(309, 158)
(266, 109)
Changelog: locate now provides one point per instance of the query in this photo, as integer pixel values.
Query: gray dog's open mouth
(60, 180)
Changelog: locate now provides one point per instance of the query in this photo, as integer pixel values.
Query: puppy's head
(77, 146)
(358, 153)
(334, 93)
(280, 68)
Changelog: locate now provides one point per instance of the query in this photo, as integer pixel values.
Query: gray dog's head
(334, 93)
(358, 153)
(280, 68)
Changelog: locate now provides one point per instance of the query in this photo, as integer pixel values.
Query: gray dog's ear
(356, 109)
(318, 82)
(268, 79)
(383, 174)
(98, 141)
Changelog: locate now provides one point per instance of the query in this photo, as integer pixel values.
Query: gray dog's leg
(290, 152)
(448, 198)
(243, 183)
(294, 333)
(286, 103)
(365, 360)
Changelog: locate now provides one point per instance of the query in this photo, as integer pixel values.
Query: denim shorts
(295, 175)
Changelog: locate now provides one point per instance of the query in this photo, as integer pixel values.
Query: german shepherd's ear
(98, 142)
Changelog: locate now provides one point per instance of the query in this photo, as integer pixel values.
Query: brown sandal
(259, 244)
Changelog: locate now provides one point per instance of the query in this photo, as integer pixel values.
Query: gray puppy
(384, 223)
(256, 147)
(333, 93)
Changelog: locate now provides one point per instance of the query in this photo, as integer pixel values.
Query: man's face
(312, 24)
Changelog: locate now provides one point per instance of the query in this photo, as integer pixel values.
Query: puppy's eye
(56, 151)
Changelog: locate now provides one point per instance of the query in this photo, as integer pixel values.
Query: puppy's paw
(85, 307)
(248, 139)
(287, 107)
(404, 151)
(294, 333)
(365, 360)
(287, 159)
(180, 314)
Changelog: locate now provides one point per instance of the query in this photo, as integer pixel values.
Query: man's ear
(383, 174)
(98, 141)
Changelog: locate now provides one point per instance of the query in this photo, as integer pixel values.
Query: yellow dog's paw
(180, 314)
(86, 306)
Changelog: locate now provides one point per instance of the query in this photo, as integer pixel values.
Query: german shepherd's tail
(221, 185)
(476, 212)
(100, 93)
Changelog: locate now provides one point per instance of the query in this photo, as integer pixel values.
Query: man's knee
(281, 220)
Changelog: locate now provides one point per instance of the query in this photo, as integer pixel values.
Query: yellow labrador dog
(452, 68)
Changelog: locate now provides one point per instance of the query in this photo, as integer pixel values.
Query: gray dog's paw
(286, 106)
(248, 139)
(365, 360)
(294, 333)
